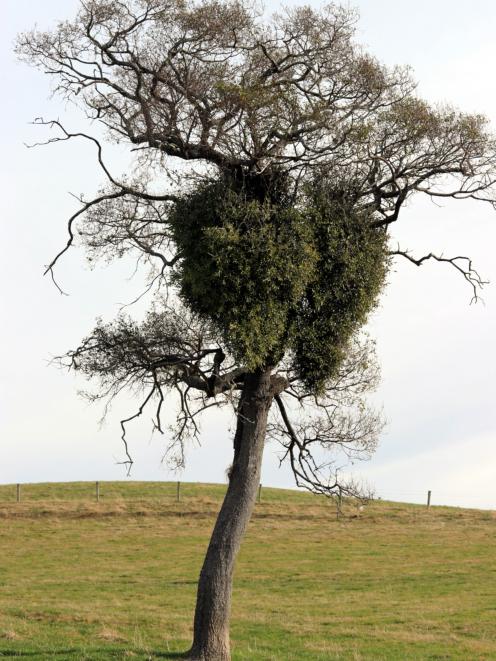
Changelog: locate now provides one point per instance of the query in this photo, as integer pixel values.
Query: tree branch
(462, 264)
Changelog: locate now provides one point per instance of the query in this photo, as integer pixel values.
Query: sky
(437, 351)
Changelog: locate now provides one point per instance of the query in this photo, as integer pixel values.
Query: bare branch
(86, 207)
(461, 263)
(337, 421)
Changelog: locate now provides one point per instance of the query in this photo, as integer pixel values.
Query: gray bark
(213, 606)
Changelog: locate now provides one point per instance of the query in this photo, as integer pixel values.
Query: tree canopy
(298, 150)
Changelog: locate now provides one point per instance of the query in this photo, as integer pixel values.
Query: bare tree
(271, 159)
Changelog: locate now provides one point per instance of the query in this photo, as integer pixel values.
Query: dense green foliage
(246, 265)
(351, 269)
(275, 277)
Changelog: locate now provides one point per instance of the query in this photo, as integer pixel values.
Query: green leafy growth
(246, 264)
(277, 278)
(350, 274)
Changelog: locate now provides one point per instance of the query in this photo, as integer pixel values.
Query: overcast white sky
(437, 352)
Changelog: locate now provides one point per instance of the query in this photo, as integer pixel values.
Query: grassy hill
(117, 579)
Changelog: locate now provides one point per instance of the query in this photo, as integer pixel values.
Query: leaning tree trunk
(213, 605)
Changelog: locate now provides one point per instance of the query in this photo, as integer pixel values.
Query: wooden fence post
(97, 491)
(429, 498)
(18, 493)
(260, 492)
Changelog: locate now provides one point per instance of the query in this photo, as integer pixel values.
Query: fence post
(260, 492)
(178, 491)
(97, 491)
(429, 498)
(18, 493)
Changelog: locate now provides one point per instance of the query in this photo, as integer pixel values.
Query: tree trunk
(213, 605)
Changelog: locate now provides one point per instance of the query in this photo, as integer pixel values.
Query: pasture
(116, 579)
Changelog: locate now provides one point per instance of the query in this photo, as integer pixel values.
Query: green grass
(117, 579)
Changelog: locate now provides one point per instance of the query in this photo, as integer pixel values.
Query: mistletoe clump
(278, 278)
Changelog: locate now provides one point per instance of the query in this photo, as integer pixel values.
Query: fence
(442, 496)
(170, 491)
(100, 491)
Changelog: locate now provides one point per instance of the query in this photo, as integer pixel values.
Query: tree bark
(213, 605)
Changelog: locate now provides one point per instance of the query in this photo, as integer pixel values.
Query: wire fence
(440, 497)
(103, 491)
(106, 491)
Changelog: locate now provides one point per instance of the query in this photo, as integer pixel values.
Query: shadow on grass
(90, 654)
(6, 653)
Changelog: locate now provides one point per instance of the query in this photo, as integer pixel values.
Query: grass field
(117, 579)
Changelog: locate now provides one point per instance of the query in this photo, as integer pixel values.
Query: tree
(271, 159)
